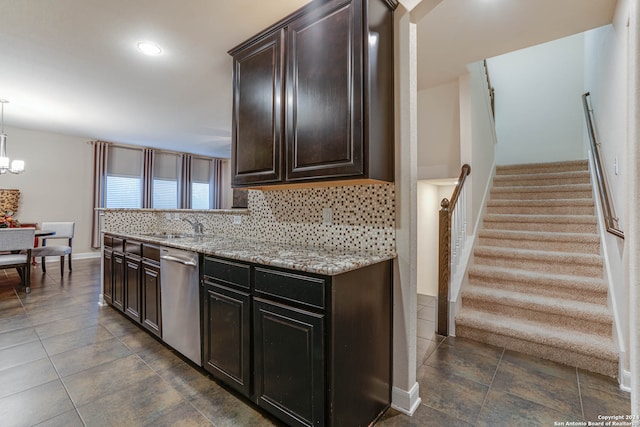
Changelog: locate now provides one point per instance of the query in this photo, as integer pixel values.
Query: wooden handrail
(444, 250)
(610, 218)
(492, 92)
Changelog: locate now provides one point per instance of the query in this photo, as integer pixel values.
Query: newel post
(444, 253)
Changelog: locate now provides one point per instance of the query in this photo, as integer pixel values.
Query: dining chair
(16, 245)
(62, 230)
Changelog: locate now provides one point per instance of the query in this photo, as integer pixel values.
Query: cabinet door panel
(324, 89)
(227, 336)
(118, 281)
(132, 288)
(289, 363)
(150, 310)
(257, 109)
(107, 266)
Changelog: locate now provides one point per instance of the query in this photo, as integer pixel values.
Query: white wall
(57, 183)
(478, 138)
(606, 78)
(539, 114)
(430, 194)
(439, 131)
(428, 207)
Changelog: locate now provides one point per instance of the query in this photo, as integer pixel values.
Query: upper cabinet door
(257, 111)
(324, 93)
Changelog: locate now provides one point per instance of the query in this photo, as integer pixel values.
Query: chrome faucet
(198, 227)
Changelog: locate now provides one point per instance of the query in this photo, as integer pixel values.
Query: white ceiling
(72, 67)
(455, 33)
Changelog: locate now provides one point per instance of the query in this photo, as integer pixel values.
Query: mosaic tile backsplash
(362, 218)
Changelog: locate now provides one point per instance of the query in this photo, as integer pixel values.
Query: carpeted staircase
(536, 281)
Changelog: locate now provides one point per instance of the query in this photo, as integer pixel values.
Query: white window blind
(165, 180)
(124, 178)
(200, 183)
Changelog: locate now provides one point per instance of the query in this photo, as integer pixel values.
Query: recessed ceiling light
(149, 48)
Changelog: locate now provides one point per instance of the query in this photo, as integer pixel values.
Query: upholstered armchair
(16, 245)
(63, 230)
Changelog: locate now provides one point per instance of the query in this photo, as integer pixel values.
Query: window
(200, 196)
(165, 181)
(200, 183)
(123, 192)
(124, 178)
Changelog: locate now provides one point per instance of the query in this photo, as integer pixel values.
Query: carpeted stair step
(575, 288)
(586, 351)
(586, 265)
(536, 281)
(539, 240)
(578, 316)
(541, 179)
(542, 207)
(527, 168)
(548, 223)
(538, 192)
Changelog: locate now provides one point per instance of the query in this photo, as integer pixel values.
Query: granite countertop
(309, 259)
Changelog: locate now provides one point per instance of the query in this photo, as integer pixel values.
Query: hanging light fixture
(6, 165)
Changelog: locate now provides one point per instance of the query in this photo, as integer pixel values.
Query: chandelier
(6, 165)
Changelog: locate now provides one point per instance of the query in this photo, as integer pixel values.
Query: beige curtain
(216, 185)
(185, 182)
(100, 150)
(147, 177)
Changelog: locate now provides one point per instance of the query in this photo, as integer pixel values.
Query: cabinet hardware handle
(180, 260)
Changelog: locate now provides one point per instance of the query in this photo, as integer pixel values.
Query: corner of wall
(405, 401)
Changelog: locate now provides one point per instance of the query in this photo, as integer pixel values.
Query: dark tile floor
(491, 386)
(66, 362)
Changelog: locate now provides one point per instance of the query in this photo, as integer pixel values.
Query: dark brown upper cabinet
(258, 72)
(313, 96)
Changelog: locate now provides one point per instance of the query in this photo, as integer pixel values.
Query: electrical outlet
(615, 165)
(167, 215)
(327, 216)
(176, 216)
(237, 219)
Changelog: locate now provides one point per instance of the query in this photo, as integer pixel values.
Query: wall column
(405, 394)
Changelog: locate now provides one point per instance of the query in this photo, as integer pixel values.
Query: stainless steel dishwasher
(180, 300)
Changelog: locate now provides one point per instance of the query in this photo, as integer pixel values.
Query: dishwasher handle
(179, 260)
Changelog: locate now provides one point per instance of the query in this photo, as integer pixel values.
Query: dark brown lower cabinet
(289, 363)
(118, 280)
(107, 274)
(151, 304)
(322, 345)
(133, 265)
(132, 281)
(312, 350)
(227, 335)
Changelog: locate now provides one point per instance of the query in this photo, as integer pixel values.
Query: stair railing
(610, 219)
(452, 239)
(492, 92)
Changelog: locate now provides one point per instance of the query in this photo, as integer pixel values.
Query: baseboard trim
(625, 380)
(84, 255)
(405, 401)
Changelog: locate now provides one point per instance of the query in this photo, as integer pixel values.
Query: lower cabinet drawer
(227, 272)
(305, 290)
